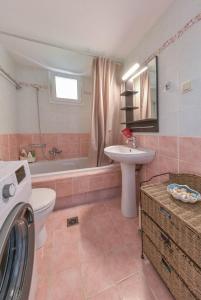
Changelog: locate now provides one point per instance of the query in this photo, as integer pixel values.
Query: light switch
(186, 86)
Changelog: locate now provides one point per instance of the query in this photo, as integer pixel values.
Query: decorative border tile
(175, 37)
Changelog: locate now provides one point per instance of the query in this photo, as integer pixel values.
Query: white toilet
(43, 202)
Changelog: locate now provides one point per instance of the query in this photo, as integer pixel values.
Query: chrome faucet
(54, 151)
(132, 142)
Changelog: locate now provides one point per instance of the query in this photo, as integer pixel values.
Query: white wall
(55, 118)
(8, 103)
(180, 114)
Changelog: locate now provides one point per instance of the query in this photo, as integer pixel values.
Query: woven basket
(182, 222)
(193, 181)
(177, 287)
(180, 262)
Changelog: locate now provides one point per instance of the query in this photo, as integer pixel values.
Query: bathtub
(62, 168)
(55, 166)
(75, 182)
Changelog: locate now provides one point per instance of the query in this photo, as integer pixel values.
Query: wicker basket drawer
(188, 239)
(167, 273)
(184, 266)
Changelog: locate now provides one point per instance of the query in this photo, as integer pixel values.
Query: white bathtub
(63, 168)
(54, 166)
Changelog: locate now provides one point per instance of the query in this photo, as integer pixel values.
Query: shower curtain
(145, 96)
(105, 123)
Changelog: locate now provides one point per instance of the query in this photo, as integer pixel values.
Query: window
(65, 89)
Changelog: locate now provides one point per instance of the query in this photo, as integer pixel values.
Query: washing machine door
(17, 253)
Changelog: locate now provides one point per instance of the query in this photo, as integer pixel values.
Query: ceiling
(106, 27)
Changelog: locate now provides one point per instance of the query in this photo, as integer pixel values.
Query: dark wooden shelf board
(127, 123)
(128, 93)
(129, 108)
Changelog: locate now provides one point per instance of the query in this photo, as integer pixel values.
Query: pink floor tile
(96, 276)
(66, 285)
(154, 282)
(135, 288)
(97, 259)
(42, 289)
(63, 256)
(111, 239)
(121, 264)
(109, 294)
(89, 249)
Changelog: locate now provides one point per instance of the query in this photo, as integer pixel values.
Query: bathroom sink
(129, 157)
(124, 154)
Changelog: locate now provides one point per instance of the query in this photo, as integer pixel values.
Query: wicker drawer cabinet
(172, 237)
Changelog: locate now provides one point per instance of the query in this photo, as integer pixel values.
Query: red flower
(127, 132)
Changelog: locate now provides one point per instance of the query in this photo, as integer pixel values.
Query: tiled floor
(99, 259)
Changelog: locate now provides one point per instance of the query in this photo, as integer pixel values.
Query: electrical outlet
(186, 87)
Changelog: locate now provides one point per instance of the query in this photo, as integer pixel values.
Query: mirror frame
(146, 125)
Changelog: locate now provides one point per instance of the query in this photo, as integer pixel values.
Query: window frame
(67, 101)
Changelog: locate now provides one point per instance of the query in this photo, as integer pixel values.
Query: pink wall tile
(112, 180)
(63, 202)
(190, 149)
(84, 149)
(4, 153)
(190, 167)
(142, 176)
(25, 140)
(97, 182)
(13, 153)
(154, 164)
(36, 138)
(72, 145)
(4, 146)
(99, 195)
(168, 146)
(68, 137)
(4, 139)
(151, 141)
(84, 138)
(71, 148)
(13, 140)
(169, 149)
(80, 184)
(45, 184)
(64, 187)
(50, 138)
(140, 140)
(150, 173)
(167, 164)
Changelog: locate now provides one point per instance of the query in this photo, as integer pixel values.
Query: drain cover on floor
(72, 221)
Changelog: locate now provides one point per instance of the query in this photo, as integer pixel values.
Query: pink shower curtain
(105, 124)
(145, 96)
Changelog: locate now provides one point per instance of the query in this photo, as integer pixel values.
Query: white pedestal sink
(129, 157)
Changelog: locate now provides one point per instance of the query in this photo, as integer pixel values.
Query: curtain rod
(86, 53)
(10, 78)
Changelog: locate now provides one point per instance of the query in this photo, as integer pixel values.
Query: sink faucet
(132, 142)
(54, 151)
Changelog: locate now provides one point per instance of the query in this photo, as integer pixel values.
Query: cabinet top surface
(188, 213)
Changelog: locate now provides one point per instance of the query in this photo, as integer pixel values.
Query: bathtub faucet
(54, 151)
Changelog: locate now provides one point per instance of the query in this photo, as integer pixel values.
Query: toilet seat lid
(42, 198)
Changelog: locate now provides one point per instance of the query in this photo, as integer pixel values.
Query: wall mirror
(142, 103)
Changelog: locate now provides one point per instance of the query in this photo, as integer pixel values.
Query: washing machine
(16, 231)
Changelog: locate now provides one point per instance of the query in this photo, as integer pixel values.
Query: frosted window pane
(66, 88)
